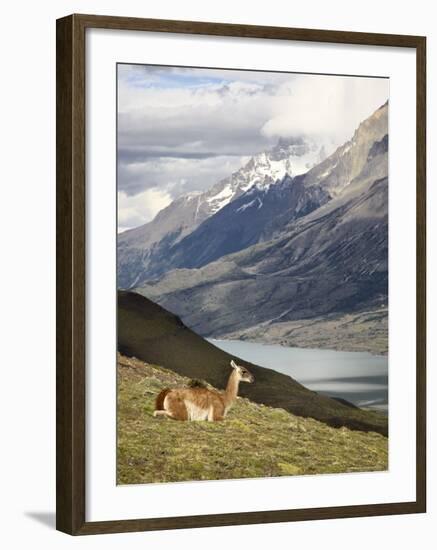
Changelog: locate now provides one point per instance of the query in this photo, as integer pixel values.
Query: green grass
(253, 441)
(156, 336)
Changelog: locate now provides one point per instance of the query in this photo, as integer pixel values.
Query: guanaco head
(243, 374)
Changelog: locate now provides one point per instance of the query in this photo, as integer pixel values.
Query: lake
(359, 377)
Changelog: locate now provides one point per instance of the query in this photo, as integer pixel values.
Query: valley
(272, 253)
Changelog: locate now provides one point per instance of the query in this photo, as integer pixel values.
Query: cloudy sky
(183, 129)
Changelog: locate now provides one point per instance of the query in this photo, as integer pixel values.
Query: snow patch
(347, 148)
(221, 199)
(261, 172)
(250, 204)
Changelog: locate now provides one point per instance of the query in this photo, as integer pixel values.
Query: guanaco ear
(233, 364)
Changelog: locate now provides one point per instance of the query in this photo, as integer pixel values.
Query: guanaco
(201, 403)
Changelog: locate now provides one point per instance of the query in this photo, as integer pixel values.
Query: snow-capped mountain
(261, 206)
(140, 250)
(271, 190)
(292, 156)
(312, 247)
(247, 220)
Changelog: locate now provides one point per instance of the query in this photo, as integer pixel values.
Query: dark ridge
(378, 148)
(345, 402)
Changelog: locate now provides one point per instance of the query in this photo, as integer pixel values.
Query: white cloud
(181, 130)
(327, 106)
(176, 175)
(141, 208)
(217, 119)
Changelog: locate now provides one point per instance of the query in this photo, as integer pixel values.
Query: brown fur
(176, 408)
(159, 403)
(200, 403)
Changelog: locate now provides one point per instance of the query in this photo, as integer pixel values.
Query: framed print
(240, 274)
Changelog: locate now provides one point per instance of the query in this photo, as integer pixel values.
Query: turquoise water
(359, 377)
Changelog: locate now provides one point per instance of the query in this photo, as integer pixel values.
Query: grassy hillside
(253, 441)
(156, 336)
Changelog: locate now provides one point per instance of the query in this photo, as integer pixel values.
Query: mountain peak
(275, 186)
(291, 146)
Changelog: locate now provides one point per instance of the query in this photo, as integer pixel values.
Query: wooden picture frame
(71, 254)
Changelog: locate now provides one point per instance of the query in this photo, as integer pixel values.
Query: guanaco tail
(200, 403)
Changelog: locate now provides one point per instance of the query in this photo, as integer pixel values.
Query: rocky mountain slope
(265, 209)
(145, 251)
(150, 333)
(331, 262)
(361, 331)
(247, 220)
(253, 441)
